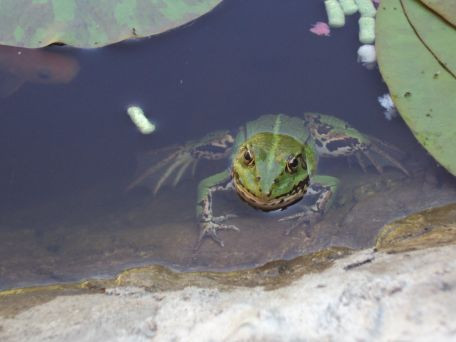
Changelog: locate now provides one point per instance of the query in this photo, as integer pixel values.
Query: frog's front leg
(208, 223)
(321, 191)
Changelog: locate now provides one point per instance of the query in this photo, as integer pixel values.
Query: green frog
(273, 165)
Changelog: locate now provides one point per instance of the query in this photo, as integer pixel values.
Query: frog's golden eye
(248, 158)
(292, 164)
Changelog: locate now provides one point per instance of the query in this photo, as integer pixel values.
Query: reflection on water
(67, 152)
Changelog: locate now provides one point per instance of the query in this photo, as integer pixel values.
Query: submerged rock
(431, 227)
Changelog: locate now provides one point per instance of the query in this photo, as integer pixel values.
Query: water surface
(67, 151)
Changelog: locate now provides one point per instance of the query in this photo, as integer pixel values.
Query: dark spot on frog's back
(341, 143)
(323, 129)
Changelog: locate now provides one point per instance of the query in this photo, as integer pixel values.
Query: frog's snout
(265, 187)
(263, 194)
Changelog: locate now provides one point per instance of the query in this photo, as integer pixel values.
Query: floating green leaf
(445, 8)
(87, 24)
(437, 34)
(421, 87)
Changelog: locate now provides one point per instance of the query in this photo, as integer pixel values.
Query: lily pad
(445, 8)
(421, 87)
(88, 24)
(437, 34)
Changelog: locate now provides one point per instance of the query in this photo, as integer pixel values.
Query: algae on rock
(428, 228)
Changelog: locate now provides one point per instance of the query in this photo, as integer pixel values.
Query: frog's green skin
(273, 165)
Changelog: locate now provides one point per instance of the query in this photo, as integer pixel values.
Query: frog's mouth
(266, 204)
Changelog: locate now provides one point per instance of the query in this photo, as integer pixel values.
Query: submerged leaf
(88, 24)
(445, 8)
(422, 89)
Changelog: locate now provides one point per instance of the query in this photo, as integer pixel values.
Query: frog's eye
(292, 164)
(248, 158)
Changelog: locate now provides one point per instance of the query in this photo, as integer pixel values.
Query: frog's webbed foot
(321, 193)
(211, 227)
(178, 160)
(171, 168)
(305, 218)
(379, 154)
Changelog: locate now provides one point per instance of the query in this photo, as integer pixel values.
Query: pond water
(68, 150)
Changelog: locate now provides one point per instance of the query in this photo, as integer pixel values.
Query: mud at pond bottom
(86, 241)
(366, 295)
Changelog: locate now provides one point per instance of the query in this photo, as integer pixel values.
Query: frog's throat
(273, 203)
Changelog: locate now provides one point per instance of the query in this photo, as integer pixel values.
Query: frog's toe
(373, 161)
(303, 219)
(379, 158)
(290, 217)
(177, 167)
(169, 170)
(210, 229)
(299, 222)
(393, 161)
(302, 224)
(380, 154)
(222, 218)
(360, 161)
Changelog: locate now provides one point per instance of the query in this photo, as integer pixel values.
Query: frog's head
(271, 171)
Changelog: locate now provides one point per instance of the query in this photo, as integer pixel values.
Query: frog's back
(278, 124)
(274, 123)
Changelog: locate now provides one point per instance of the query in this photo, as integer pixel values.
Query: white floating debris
(336, 17)
(366, 8)
(144, 125)
(366, 30)
(387, 102)
(367, 56)
(348, 6)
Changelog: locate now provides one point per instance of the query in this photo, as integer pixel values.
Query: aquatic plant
(416, 51)
(88, 24)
